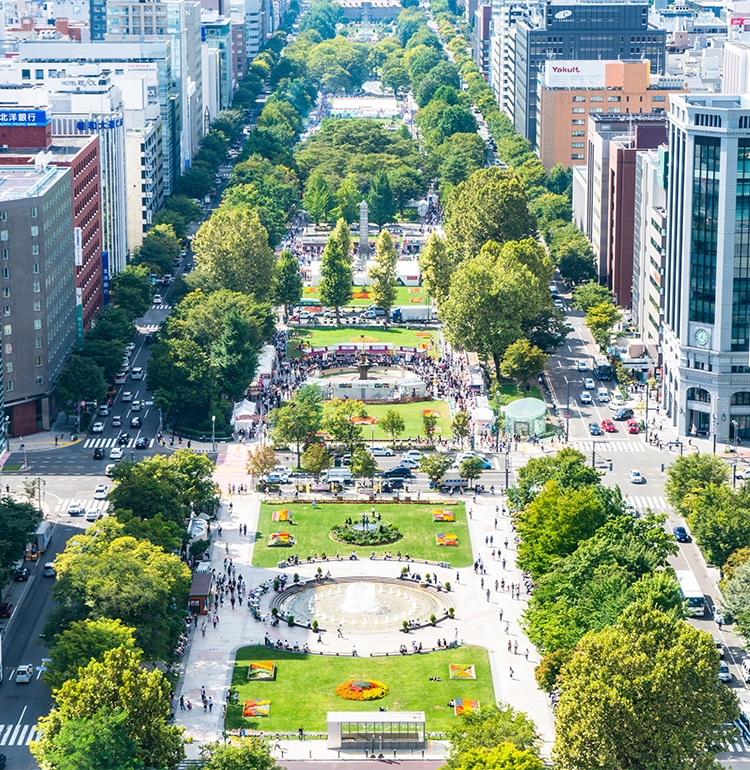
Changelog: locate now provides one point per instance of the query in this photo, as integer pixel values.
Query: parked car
(409, 462)
(21, 574)
(681, 535)
(595, 430)
(413, 454)
(608, 426)
(380, 451)
(633, 426)
(6, 610)
(391, 485)
(108, 470)
(276, 478)
(724, 673)
(400, 471)
(720, 648)
(636, 477)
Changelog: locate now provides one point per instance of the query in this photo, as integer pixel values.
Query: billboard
(23, 118)
(575, 74)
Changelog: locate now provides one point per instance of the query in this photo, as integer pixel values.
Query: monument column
(364, 240)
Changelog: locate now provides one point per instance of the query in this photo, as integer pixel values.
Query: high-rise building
(575, 31)
(706, 375)
(481, 39)
(216, 33)
(179, 21)
(37, 283)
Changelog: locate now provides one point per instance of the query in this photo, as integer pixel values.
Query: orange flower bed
(438, 515)
(362, 689)
(417, 300)
(261, 669)
(459, 671)
(256, 708)
(449, 539)
(464, 706)
(430, 413)
(282, 515)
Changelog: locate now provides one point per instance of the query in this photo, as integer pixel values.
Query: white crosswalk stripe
(656, 504)
(604, 446)
(148, 328)
(87, 504)
(17, 735)
(106, 443)
(163, 306)
(740, 746)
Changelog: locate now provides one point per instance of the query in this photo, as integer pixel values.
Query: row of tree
(608, 616)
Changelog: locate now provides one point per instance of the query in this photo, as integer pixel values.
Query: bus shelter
(376, 731)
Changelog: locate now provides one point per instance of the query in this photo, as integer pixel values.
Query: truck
(411, 313)
(452, 482)
(43, 535)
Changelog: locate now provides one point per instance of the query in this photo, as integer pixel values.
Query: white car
(100, 493)
(743, 473)
(616, 403)
(130, 347)
(127, 396)
(582, 366)
(588, 383)
(380, 451)
(409, 462)
(93, 515)
(586, 397)
(97, 427)
(635, 477)
(559, 304)
(157, 299)
(115, 453)
(25, 673)
(724, 673)
(75, 509)
(413, 454)
(108, 470)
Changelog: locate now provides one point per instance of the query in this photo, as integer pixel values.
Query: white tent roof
(243, 410)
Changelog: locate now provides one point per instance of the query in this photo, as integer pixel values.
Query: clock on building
(701, 337)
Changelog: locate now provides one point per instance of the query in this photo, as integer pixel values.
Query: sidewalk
(210, 659)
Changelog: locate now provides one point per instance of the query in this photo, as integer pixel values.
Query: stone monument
(364, 233)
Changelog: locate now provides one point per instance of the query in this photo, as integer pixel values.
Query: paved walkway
(210, 658)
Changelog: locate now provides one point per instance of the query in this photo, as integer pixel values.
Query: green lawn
(323, 336)
(412, 415)
(312, 529)
(405, 295)
(303, 690)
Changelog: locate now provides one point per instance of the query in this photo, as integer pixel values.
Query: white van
(746, 669)
(602, 395)
(137, 373)
(339, 475)
(453, 482)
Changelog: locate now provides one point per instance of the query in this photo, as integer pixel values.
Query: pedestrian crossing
(604, 446)
(87, 505)
(17, 734)
(654, 503)
(163, 306)
(106, 443)
(148, 328)
(741, 745)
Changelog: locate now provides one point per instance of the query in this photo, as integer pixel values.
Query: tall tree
(318, 200)
(589, 294)
(437, 268)
(381, 205)
(119, 683)
(232, 249)
(343, 236)
(81, 380)
(234, 355)
(131, 289)
(600, 319)
(363, 463)
(490, 205)
(348, 198)
(287, 288)
(692, 473)
(434, 465)
(338, 420)
(522, 361)
(316, 459)
(406, 184)
(383, 273)
(460, 426)
(335, 288)
(299, 420)
(643, 693)
(393, 424)
(18, 522)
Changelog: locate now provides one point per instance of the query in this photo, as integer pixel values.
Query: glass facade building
(376, 731)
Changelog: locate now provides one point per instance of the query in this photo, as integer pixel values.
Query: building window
(578, 133)
(578, 110)
(34, 212)
(34, 231)
(37, 287)
(3, 235)
(6, 310)
(25, 74)
(35, 268)
(658, 98)
(579, 122)
(35, 249)
(5, 272)
(577, 156)
(579, 98)
(40, 380)
(39, 361)
(699, 394)
(6, 254)
(705, 227)
(39, 74)
(37, 306)
(3, 216)
(741, 280)
(6, 291)
(37, 324)
(614, 98)
(9, 386)
(577, 145)
(596, 99)
(37, 342)
(9, 367)
(740, 399)
(613, 109)
(8, 329)
(8, 348)
(596, 109)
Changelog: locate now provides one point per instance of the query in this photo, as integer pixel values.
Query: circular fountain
(363, 604)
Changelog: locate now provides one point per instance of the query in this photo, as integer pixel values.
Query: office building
(217, 66)
(239, 48)
(570, 91)
(706, 382)
(180, 22)
(649, 250)
(576, 32)
(480, 36)
(37, 282)
(255, 15)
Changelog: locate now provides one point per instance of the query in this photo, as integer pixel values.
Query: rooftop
(17, 183)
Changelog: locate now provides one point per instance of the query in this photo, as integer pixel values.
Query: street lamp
(213, 432)
(736, 428)
(372, 434)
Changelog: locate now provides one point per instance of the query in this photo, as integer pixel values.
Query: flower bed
(463, 706)
(362, 689)
(448, 539)
(281, 539)
(440, 515)
(256, 708)
(261, 669)
(383, 534)
(431, 413)
(459, 671)
(283, 515)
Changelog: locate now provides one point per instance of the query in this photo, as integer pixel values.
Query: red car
(633, 426)
(6, 610)
(608, 426)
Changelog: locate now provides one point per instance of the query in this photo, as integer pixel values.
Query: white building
(707, 288)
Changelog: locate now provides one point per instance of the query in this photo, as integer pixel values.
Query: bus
(602, 368)
(691, 592)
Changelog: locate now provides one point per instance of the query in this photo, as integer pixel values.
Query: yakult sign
(575, 74)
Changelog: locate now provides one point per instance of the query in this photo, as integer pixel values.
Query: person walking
(510, 671)
(203, 628)
(340, 632)
(182, 703)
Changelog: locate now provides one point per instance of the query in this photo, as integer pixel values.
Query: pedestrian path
(87, 504)
(604, 446)
(655, 504)
(17, 734)
(106, 443)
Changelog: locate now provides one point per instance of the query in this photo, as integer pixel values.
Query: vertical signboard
(78, 246)
(79, 317)
(105, 278)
